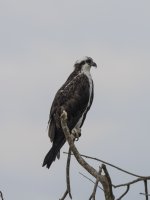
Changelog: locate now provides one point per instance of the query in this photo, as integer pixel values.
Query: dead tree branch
(105, 179)
(64, 196)
(1, 195)
(146, 189)
(92, 197)
(126, 191)
(91, 180)
(132, 182)
(102, 178)
(145, 194)
(68, 190)
(145, 179)
(127, 185)
(109, 164)
(68, 173)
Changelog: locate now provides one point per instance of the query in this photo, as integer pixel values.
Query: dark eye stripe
(88, 61)
(83, 62)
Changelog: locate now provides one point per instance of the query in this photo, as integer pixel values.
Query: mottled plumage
(75, 97)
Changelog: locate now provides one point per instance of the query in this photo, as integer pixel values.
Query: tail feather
(53, 152)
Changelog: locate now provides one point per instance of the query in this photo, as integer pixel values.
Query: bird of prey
(75, 97)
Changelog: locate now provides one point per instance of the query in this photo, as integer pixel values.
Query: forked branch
(103, 179)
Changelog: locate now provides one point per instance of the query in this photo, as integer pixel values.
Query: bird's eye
(83, 62)
(88, 61)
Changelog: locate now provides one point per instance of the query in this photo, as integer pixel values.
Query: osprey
(75, 97)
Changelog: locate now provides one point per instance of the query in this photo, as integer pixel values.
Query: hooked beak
(94, 64)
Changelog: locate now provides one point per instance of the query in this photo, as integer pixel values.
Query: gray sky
(39, 43)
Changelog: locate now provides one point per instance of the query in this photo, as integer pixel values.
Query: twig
(82, 162)
(146, 189)
(132, 182)
(68, 190)
(107, 163)
(64, 196)
(90, 180)
(1, 195)
(68, 173)
(128, 187)
(144, 194)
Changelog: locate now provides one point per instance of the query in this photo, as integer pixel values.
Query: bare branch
(64, 196)
(108, 178)
(111, 165)
(145, 194)
(1, 195)
(132, 182)
(128, 187)
(146, 189)
(92, 197)
(105, 179)
(140, 178)
(82, 162)
(68, 190)
(68, 173)
(90, 180)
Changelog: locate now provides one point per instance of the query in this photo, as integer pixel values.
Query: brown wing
(73, 96)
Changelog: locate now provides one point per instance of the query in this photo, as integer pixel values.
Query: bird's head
(85, 64)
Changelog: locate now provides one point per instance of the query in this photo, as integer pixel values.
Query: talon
(72, 137)
(76, 132)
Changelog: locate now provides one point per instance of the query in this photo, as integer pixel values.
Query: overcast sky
(39, 43)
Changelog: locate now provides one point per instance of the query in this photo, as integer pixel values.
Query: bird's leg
(76, 133)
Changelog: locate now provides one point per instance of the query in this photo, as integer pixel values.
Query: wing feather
(73, 96)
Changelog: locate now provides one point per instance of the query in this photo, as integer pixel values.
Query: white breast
(86, 71)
